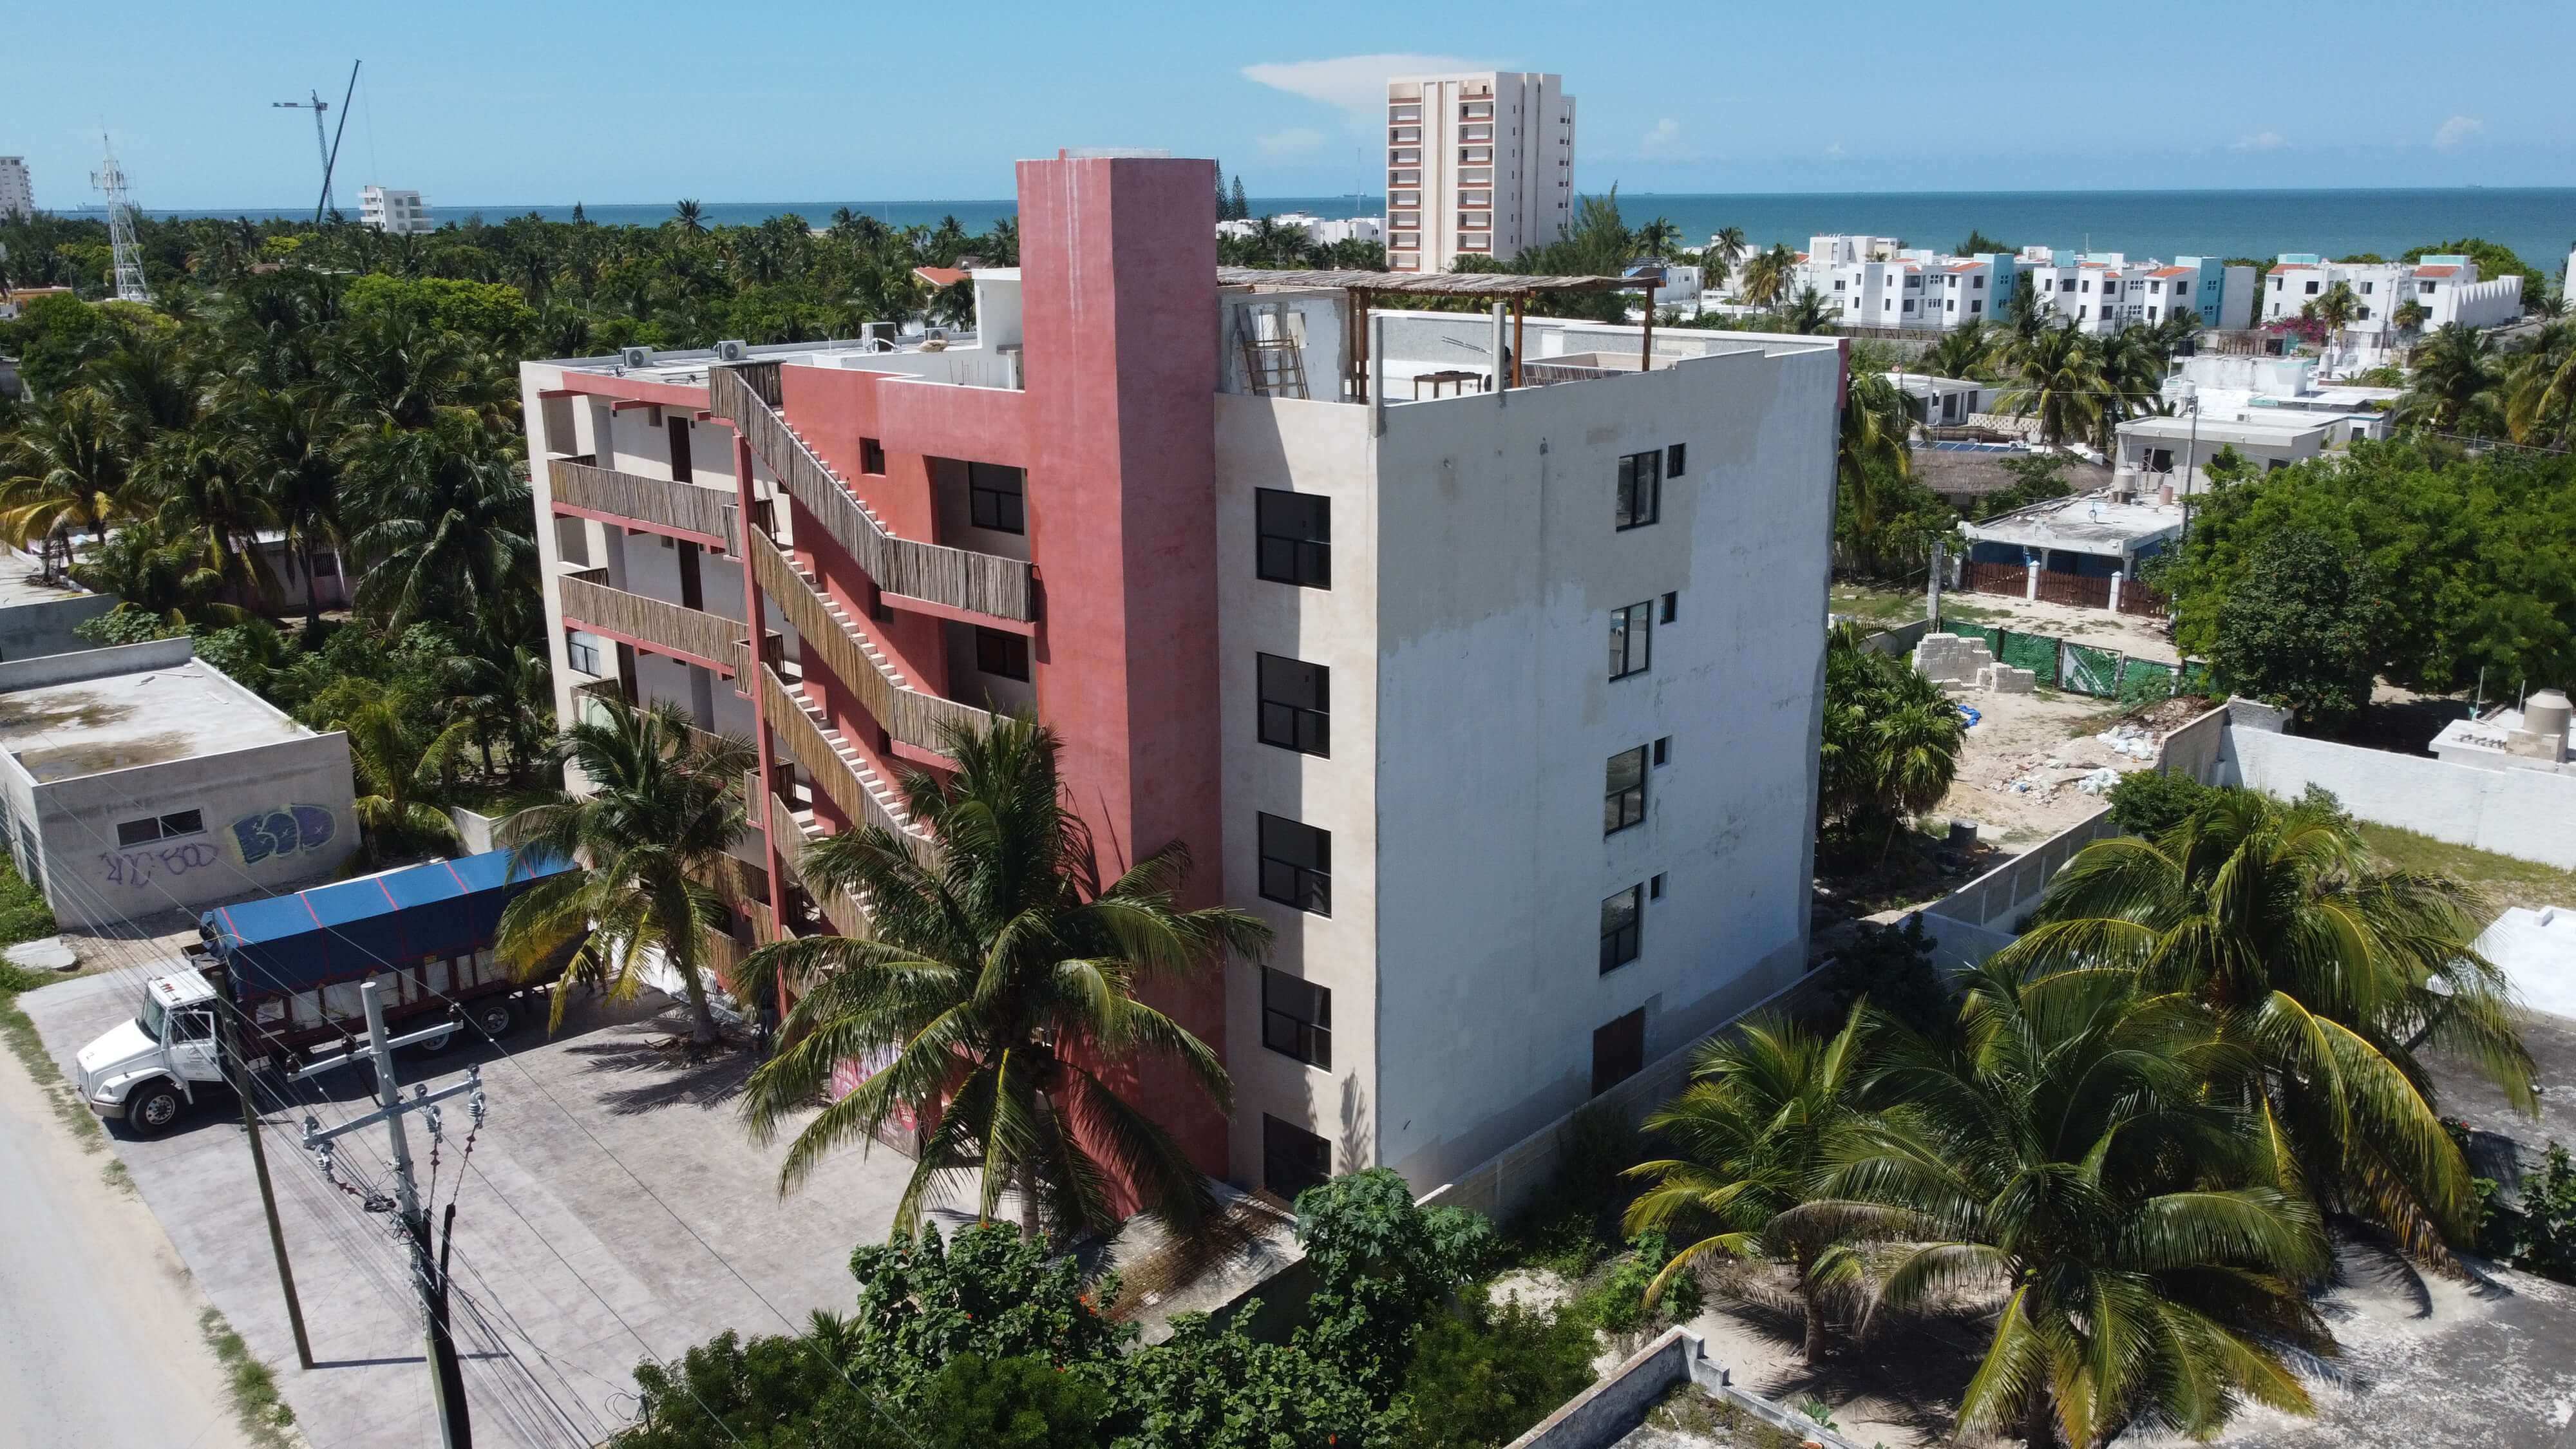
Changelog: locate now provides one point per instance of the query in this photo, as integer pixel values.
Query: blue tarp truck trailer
(295, 963)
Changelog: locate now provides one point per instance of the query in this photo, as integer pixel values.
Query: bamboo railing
(693, 632)
(684, 506)
(910, 715)
(984, 583)
(831, 774)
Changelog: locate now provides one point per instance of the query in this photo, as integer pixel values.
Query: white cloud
(2259, 141)
(1835, 151)
(1290, 144)
(1665, 139)
(1353, 82)
(2458, 129)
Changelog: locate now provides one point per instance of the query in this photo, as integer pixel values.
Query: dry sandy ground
(2128, 633)
(2043, 744)
(99, 1343)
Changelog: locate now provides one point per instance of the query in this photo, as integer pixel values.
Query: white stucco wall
(2522, 813)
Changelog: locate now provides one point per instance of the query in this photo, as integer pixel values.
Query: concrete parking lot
(612, 1210)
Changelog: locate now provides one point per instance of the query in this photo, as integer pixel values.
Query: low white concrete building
(2175, 450)
(2441, 289)
(140, 778)
(2100, 292)
(1321, 230)
(40, 616)
(2091, 535)
(2530, 736)
(398, 213)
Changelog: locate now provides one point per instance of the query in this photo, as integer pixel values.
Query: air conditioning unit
(635, 356)
(732, 350)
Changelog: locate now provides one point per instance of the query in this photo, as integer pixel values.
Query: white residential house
(399, 213)
(1479, 164)
(2446, 287)
(1321, 230)
(1870, 282)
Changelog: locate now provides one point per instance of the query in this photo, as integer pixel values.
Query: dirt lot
(2019, 770)
(2128, 633)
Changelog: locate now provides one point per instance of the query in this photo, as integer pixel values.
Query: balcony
(691, 635)
(832, 639)
(705, 515)
(954, 578)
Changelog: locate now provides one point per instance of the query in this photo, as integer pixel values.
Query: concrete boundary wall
(97, 663)
(2521, 813)
(2003, 893)
(1619, 1401)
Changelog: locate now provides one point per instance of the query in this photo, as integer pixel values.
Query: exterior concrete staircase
(879, 789)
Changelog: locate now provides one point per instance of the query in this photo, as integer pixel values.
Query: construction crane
(327, 143)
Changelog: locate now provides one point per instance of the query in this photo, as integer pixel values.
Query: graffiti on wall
(139, 868)
(285, 831)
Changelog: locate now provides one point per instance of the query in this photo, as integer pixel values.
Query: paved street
(577, 1272)
(99, 1344)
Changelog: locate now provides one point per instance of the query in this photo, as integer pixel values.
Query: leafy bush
(126, 624)
(1482, 1379)
(1572, 1222)
(1618, 1306)
(1203, 1388)
(2151, 802)
(1380, 1265)
(1893, 967)
(24, 915)
(2304, 627)
(1011, 1403)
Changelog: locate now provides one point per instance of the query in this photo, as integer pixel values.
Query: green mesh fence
(2034, 652)
(1966, 630)
(2196, 678)
(2087, 670)
(2145, 679)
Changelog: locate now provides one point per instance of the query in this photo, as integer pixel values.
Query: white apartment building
(16, 197)
(1498, 701)
(1871, 281)
(398, 212)
(2101, 292)
(1476, 165)
(2446, 288)
(1321, 230)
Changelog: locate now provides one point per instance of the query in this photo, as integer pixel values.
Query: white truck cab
(148, 1070)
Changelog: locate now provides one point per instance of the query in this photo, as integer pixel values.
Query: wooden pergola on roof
(1511, 287)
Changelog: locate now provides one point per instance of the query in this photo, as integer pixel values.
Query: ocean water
(2538, 224)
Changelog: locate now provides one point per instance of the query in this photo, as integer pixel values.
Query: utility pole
(1932, 600)
(447, 1381)
(239, 1068)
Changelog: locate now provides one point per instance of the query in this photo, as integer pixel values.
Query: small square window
(1655, 888)
(1620, 921)
(1297, 1018)
(1641, 490)
(1296, 704)
(186, 822)
(871, 456)
(1001, 653)
(1664, 750)
(1673, 460)
(1623, 801)
(1672, 602)
(131, 833)
(1631, 639)
(997, 497)
(1296, 865)
(1295, 538)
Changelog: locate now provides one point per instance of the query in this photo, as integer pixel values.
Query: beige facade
(1476, 165)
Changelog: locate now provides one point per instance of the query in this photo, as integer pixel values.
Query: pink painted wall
(1118, 269)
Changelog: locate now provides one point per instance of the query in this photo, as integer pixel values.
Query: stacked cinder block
(1953, 659)
(2005, 679)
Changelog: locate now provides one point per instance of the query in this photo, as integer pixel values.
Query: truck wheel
(441, 1042)
(493, 1018)
(151, 1110)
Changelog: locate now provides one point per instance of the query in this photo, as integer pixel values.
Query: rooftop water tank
(2547, 713)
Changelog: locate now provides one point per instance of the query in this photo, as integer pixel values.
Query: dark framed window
(1641, 489)
(1631, 639)
(1621, 918)
(1295, 545)
(871, 456)
(1296, 705)
(160, 827)
(1655, 887)
(1292, 1158)
(1618, 1051)
(1623, 801)
(1296, 865)
(1664, 750)
(1673, 457)
(584, 657)
(1297, 1018)
(1672, 607)
(997, 497)
(1002, 653)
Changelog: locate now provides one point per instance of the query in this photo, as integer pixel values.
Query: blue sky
(495, 104)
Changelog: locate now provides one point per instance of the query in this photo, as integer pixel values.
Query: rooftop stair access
(746, 394)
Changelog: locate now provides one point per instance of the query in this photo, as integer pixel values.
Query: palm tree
(2541, 398)
(1808, 315)
(403, 764)
(689, 217)
(656, 824)
(205, 503)
(1725, 252)
(2057, 379)
(1750, 1134)
(285, 439)
(1657, 238)
(506, 689)
(2328, 970)
(2336, 309)
(66, 471)
(448, 535)
(2149, 1267)
(1767, 276)
(1962, 351)
(992, 981)
(2453, 389)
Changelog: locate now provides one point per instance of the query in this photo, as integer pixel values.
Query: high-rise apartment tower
(1476, 165)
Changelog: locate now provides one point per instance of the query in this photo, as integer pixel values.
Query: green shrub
(1481, 1380)
(1572, 1222)
(24, 916)
(2151, 802)
(1618, 1306)
(1011, 1403)
(1893, 967)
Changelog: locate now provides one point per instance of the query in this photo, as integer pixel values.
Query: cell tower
(110, 178)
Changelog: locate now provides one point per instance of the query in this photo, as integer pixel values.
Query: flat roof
(1441, 284)
(22, 581)
(92, 726)
(2085, 523)
(2230, 430)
